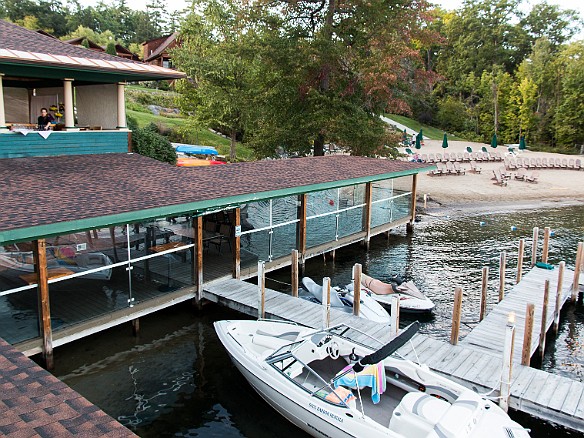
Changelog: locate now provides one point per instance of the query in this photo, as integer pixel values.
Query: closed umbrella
(522, 143)
(445, 141)
(418, 144)
(404, 137)
(494, 140)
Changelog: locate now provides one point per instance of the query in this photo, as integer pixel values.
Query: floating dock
(476, 365)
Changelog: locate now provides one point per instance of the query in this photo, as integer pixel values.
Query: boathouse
(93, 236)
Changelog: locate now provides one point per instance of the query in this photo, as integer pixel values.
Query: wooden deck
(546, 396)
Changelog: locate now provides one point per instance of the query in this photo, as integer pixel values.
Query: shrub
(149, 142)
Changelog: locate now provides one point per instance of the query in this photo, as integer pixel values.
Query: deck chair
(409, 151)
(474, 167)
(578, 164)
(532, 177)
(223, 236)
(571, 163)
(544, 163)
(521, 173)
(499, 178)
(459, 170)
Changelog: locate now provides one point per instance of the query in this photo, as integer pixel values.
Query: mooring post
(136, 327)
(520, 260)
(502, 265)
(484, 284)
(456, 314)
(261, 289)
(326, 302)
(527, 335)
(577, 267)
(425, 200)
(44, 307)
(394, 316)
(357, 271)
(558, 307)
(534, 246)
(546, 244)
(544, 310)
(410, 224)
(294, 269)
(507, 373)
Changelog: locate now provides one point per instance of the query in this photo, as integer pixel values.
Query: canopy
(194, 149)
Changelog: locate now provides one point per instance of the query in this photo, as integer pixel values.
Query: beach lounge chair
(450, 168)
(469, 149)
(499, 178)
(520, 175)
(438, 158)
(474, 168)
(538, 163)
(571, 163)
(466, 157)
(532, 177)
(446, 157)
(578, 164)
(424, 158)
(564, 164)
(532, 164)
(544, 163)
(558, 163)
(497, 156)
(459, 170)
(513, 164)
(409, 151)
(484, 149)
(453, 157)
(475, 156)
(504, 173)
(431, 158)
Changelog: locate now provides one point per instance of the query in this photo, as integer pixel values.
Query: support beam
(302, 230)
(534, 246)
(456, 314)
(546, 244)
(357, 271)
(69, 104)
(527, 335)
(520, 260)
(237, 244)
(121, 106)
(410, 225)
(40, 256)
(367, 214)
(198, 264)
(577, 268)
(3, 127)
(294, 272)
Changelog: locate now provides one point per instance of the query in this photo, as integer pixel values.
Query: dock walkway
(543, 395)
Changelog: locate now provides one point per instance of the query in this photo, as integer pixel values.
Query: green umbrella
(494, 141)
(418, 144)
(522, 142)
(445, 141)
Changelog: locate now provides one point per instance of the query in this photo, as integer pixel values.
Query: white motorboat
(60, 257)
(303, 374)
(343, 299)
(410, 298)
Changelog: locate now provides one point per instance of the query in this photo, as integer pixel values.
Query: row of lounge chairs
(448, 168)
(461, 157)
(501, 176)
(543, 163)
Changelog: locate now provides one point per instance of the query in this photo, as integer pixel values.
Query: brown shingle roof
(35, 403)
(162, 47)
(46, 190)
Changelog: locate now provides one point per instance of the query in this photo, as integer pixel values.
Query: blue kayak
(194, 149)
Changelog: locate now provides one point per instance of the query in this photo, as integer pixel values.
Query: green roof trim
(199, 207)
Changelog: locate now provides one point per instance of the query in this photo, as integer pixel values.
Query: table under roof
(44, 196)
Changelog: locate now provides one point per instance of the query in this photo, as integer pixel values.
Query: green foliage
(147, 141)
(111, 48)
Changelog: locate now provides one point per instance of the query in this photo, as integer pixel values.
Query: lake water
(177, 380)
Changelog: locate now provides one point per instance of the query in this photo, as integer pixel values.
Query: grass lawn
(428, 131)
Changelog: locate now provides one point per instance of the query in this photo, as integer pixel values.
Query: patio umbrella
(404, 136)
(418, 144)
(445, 141)
(494, 140)
(522, 143)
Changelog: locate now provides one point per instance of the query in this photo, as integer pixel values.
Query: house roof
(59, 195)
(26, 53)
(79, 42)
(162, 47)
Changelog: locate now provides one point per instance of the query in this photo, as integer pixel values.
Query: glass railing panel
(321, 230)
(283, 240)
(350, 222)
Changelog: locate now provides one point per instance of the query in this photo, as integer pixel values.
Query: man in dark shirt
(44, 120)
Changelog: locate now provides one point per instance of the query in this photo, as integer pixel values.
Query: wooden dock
(543, 395)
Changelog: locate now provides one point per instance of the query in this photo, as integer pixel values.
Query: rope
(278, 281)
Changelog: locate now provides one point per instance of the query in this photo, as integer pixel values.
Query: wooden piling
(558, 307)
(456, 314)
(394, 317)
(357, 271)
(410, 224)
(261, 289)
(198, 265)
(520, 260)
(237, 243)
(484, 284)
(546, 244)
(527, 334)
(136, 327)
(544, 310)
(534, 246)
(326, 302)
(507, 373)
(425, 200)
(577, 267)
(502, 265)
(40, 257)
(294, 269)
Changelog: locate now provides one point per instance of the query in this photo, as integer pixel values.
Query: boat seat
(417, 414)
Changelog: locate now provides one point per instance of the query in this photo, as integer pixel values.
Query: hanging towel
(372, 376)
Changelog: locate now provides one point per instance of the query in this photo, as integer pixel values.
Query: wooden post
(40, 256)
(294, 272)
(527, 335)
(410, 224)
(326, 302)
(394, 317)
(558, 307)
(113, 238)
(544, 309)
(520, 260)
(534, 246)
(546, 244)
(367, 214)
(425, 200)
(577, 267)
(502, 264)
(456, 314)
(484, 284)
(357, 271)
(136, 327)
(261, 289)
(507, 373)
(237, 244)
(198, 264)
(302, 230)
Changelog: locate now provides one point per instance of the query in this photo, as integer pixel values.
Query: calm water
(176, 379)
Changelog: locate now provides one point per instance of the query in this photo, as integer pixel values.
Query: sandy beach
(479, 191)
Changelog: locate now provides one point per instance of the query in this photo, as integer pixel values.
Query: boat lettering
(325, 412)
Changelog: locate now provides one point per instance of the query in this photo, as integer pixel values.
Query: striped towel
(372, 376)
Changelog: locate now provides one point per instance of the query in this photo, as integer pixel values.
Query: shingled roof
(23, 46)
(56, 195)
